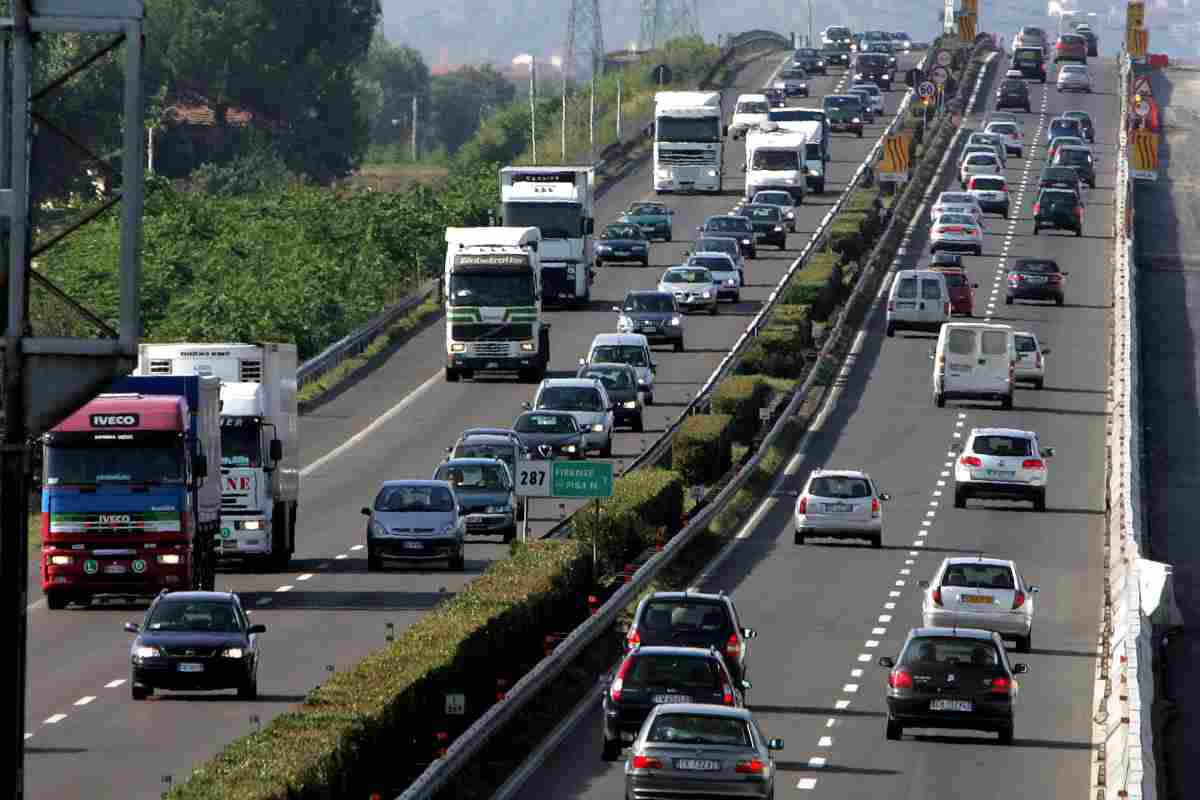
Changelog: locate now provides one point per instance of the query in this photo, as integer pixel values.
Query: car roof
(781, 192)
(712, 254)
(194, 596)
(988, 175)
(963, 194)
(647, 293)
(1030, 334)
(980, 559)
(468, 462)
(483, 431)
(572, 383)
(607, 365)
(948, 633)
(488, 438)
(752, 98)
(417, 482)
(705, 596)
(674, 650)
(838, 473)
(912, 271)
(1003, 432)
(722, 216)
(620, 338)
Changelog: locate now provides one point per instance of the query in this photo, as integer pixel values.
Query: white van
(919, 300)
(974, 361)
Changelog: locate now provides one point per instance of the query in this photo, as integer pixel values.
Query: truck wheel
(281, 556)
(821, 186)
(56, 601)
(451, 375)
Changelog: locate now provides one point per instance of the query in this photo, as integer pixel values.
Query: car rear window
(978, 159)
(1073, 157)
(1002, 127)
(570, 398)
(476, 450)
(711, 263)
(839, 486)
(1002, 445)
(1039, 267)
(979, 576)
(950, 651)
(677, 672)
(989, 184)
(1025, 344)
(930, 290)
(664, 618)
(699, 729)
(961, 342)
(546, 423)
(907, 288)
(994, 343)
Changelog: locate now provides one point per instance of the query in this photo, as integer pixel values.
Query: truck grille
(188, 652)
(250, 370)
(235, 501)
(160, 366)
(490, 348)
(687, 156)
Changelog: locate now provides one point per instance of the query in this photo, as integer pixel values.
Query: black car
(776, 96)
(769, 225)
(944, 259)
(654, 315)
(1059, 209)
(693, 619)
(652, 675)
(874, 67)
(737, 227)
(795, 82)
(845, 113)
(1014, 94)
(1036, 279)
(1086, 126)
(1093, 41)
(810, 59)
(882, 48)
(957, 678)
(622, 242)
(194, 641)
(1031, 62)
(836, 54)
(1061, 178)
(549, 435)
(1080, 159)
(621, 383)
(1064, 126)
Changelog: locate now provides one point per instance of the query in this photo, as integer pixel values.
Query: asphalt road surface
(825, 612)
(88, 739)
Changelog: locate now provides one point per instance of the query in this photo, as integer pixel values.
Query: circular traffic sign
(943, 58)
(926, 89)
(1142, 108)
(939, 75)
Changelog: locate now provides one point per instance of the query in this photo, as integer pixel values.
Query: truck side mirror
(724, 131)
(589, 226)
(276, 450)
(199, 465)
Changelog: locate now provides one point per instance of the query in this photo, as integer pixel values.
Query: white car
(957, 232)
(1014, 139)
(780, 199)
(984, 143)
(955, 203)
(749, 112)
(1002, 464)
(625, 348)
(840, 504)
(726, 276)
(991, 191)
(978, 592)
(979, 164)
(1031, 359)
(586, 400)
(722, 244)
(694, 288)
(1074, 78)
(1003, 116)
(875, 93)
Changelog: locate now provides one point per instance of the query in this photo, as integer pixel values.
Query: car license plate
(114, 569)
(959, 369)
(951, 705)
(191, 667)
(841, 507)
(1001, 473)
(760, 234)
(414, 546)
(977, 599)
(491, 365)
(620, 252)
(697, 764)
(1036, 279)
(671, 698)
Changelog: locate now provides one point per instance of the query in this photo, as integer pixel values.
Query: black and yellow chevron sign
(1137, 40)
(1135, 16)
(1143, 154)
(966, 27)
(894, 159)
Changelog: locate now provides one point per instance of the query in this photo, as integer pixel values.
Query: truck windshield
(241, 444)
(555, 220)
(776, 160)
(503, 290)
(115, 463)
(687, 129)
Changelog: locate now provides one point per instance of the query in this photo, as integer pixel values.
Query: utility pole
(618, 108)
(414, 127)
(809, 43)
(563, 155)
(592, 123)
(44, 379)
(533, 108)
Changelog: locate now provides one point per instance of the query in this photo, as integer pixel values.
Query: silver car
(586, 400)
(693, 288)
(1074, 78)
(840, 504)
(978, 592)
(414, 520)
(695, 750)
(781, 200)
(725, 274)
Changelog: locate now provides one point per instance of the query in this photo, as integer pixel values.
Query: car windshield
(754, 107)
(695, 728)
(1025, 344)
(503, 452)
(839, 486)
(611, 377)
(666, 619)
(979, 576)
(761, 214)
(571, 398)
(1005, 128)
(951, 198)
(1082, 116)
(988, 184)
(1064, 127)
(773, 199)
(775, 160)
(647, 209)
(632, 354)
(842, 101)
(950, 651)
(981, 159)
(546, 423)
(1037, 267)
(835, 47)
(872, 60)
(956, 219)
(1014, 87)
(473, 478)
(622, 232)
(654, 303)
(713, 263)
(687, 276)
(216, 616)
(414, 498)
(1028, 57)
(1002, 445)
(793, 75)
(718, 244)
(730, 223)
(675, 672)
(1073, 156)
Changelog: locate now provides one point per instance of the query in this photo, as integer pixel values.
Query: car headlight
(603, 248)
(251, 525)
(745, 241)
(624, 322)
(856, 120)
(598, 427)
(778, 228)
(569, 448)
(729, 282)
(813, 171)
(663, 172)
(527, 347)
(706, 295)
(378, 530)
(629, 404)
(457, 347)
(675, 321)
(791, 215)
(789, 180)
(232, 652)
(712, 173)
(146, 651)
(820, 63)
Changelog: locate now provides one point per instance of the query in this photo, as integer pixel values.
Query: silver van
(919, 300)
(414, 520)
(974, 361)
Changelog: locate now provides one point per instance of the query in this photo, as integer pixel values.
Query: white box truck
(688, 142)
(260, 440)
(558, 201)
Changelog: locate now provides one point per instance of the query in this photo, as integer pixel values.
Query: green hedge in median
(741, 397)
(776, 351)
(816, 285)
(374, 723)
(643, 501)
(702, 450)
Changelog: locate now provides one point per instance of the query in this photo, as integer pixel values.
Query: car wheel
(249, 689)
(939, 399)
(374, 562)
(459, 562)
(1036, 229)
(1079, 231)
(606, 451)
(610, 750)
(877, 541)
(821, 186)
(1006, 735)
(139, 692)
(649, 398)
(891, 330)
(638, 425)
(668, 237)
(1039, 501)
(712, 312)
(978, 251)
(1006, 403)
(799, 537)
(57, 601)
(679, 346)
(894, 730)
(645, 262)
(960, 498)
(860, 134)
(1058, 301)
(509, 535)
(451, 375)
(1008, 301)
(1025, 643)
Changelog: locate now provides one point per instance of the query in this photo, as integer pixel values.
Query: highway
(825, 612)
(88, 739)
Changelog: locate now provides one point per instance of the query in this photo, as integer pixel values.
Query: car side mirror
(462, 510)
(747, 684)
(132, 627)
(276, 450)
(449, 449)
(774, 744)
(582, 361)
(257, 629)
(1045, 351)
(749, 633)
(885, 496)
(974, 285)
(617, 309)
(1020, 669)
(1035, 589)
(743, 167)
(670, 212)
(724, 131)
(526, 405)
(366, 512)
(200, 466)
(887, 661)
(930, 354)
(1048, 452)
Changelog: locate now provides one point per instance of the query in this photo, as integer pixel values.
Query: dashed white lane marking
(304, 577)
(816, 762)
(285, 588)
(358, 547)
(850, 688)
(265, 601)
(825, 741)
(856, 673)
(83, 701)
(340, 556)
(54, 720)
(878, 631)
(863, 658)
(841, 705)
(872, 643)
(28, 736)
(114, 683)
(889, 607)
(807, 783)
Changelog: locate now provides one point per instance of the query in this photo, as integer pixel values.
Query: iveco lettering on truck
(128, 508)
(688, 142)
(494, 303)
(558, 202)
(260, 440)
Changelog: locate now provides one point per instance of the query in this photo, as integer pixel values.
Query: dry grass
(396, 177)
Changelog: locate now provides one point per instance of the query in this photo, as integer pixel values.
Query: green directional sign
(581, 479)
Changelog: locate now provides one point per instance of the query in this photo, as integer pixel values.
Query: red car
(962, 290)
(1071, 47)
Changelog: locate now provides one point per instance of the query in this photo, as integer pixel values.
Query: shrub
(702, 451)
(643, 501)
(815, 285)
(846, 235)
(776, 351)
(796, 318)
(741, 397)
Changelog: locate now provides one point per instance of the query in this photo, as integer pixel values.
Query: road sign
(1136, 42)
(1141, 85)
(894, 162)
(456, 704)
(1143, 154)
(926, 89)
(1135, 16)
(939, 75)
(581, 479)
(970, 7)
(533, 478)
(1142, 108)
(943, 58)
